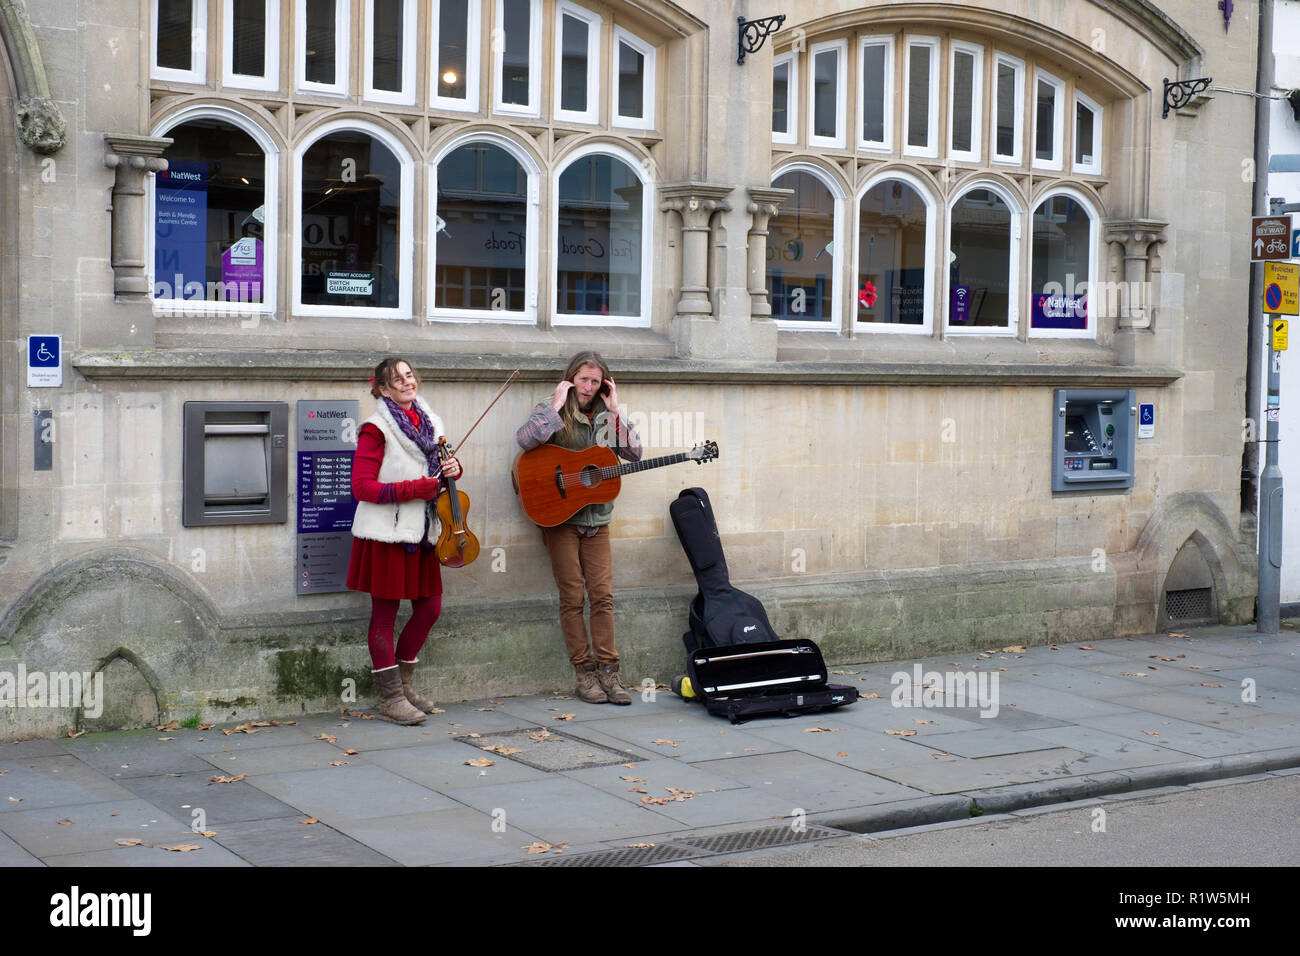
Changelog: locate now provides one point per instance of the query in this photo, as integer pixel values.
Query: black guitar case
(737, 664)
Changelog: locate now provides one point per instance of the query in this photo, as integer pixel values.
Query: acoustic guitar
(554, 483)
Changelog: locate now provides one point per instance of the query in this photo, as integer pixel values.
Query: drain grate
(623, 856)
(1191, 605)
(544, 749)
(742, 841)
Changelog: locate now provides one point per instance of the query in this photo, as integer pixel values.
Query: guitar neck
(630, 467)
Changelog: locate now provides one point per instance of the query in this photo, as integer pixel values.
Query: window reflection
(481, 230)
(980, 264)
(801, 251)
(600, 235)
(891, 255)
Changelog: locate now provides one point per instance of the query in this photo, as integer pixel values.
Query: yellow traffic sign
(1282, 288)
(1279, 335)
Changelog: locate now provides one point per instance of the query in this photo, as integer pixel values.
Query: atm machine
(1093, 439)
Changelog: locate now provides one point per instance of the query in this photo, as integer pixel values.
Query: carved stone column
(695, 203)
(763, 204)
(132, 157)
(1135, 239)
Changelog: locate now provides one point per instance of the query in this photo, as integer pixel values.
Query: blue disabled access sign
(44, 361)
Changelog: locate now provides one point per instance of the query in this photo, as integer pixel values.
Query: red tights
(383, 615)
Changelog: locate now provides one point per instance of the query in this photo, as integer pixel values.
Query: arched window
(600, 242)
(483, 250)
(895, 249)
(1062, 296)
(801, 253)
(982, 262)
(215, 216)
(353, 243)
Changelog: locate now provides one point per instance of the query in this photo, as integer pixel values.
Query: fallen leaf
(638, 846)
(1195, 667)
(1086, 647)
(666, 743)
(1175, 634)
(338, 763)
(284, 723)
(203, 727)
(480, 762)
(173, 775)
(349, 752)
(870, 696)
(207, 833)
(680, 795)
(64, 823)
(940, 753)
(473, 735)
(1015, 649)
(656, 801)
(1130, 674)
(818, 730)
(213, 780)
(309, 821)
(902, 733)
(542, 735)
(566, 716)
(503, 751)
(170, 725)
(1211, 685)
(133, 843)
(630, 766)
(536, 848)
(1152, 667)
(840, 753)
(1157, 657)
(915, 721)
(633, 779)
(485, 708)
(79, 733)
(15, 799)
(183, 847)
(328, 738)
(166, 738)
(637, 790)
(1151, 733)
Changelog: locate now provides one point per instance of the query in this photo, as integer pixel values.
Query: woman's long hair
(569, 414)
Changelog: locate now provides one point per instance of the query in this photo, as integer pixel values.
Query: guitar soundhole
(590, 476)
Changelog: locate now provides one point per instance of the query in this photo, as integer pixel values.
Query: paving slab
(955, 775)
(11, 854)
(135, 757)
(208, 854)
(457, 835)
(443, 766)
(36, 782)
(991, 742)
(216, 803)
(356, 791)
(94, 826)
(1196, 740)
(1112, 746)
(311, 755)
(860, 748)
(214, 740)
(357, 734)
(809, 782)
(287, 841)
(696, 737)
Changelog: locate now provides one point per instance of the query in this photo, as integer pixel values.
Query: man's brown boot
(589, 689)
(612, 685)
(407, 669)
(393, 704)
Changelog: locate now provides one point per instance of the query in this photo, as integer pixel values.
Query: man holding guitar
(585, 408)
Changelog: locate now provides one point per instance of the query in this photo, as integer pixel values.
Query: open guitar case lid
(737, 663)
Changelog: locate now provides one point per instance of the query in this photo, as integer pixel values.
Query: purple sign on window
(960, 311)
(1051, 310)
(241, 271)
(181, 231)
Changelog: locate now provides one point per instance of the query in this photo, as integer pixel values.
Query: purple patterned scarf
(427, 442)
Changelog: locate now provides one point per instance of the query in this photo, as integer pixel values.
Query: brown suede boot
(589, 690)
(393, 704)
(407, 669)
(612, 685)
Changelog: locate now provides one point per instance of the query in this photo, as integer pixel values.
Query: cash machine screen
(1077, 436)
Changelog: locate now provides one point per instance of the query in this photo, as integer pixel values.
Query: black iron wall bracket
(1180, 92)
(754, 32)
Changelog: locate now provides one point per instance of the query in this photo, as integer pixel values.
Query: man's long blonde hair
(569, 414)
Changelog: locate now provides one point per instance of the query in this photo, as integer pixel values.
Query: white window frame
(405, 230)
(1093, 168)
(931, 238)
(841, 49)
(271, 56)
(975, 153)
(270, 224)
(534, 105)
(198, 71)
(838, 197)
(791, 134)
(532, 236)
(1017, 158)
(342, 21)
(887, 144)
(931, 149)
(592, 113)
(648, 238)
(1058, 122)
(1017, 229)
(410, 24)
(473, 46)
(1094, 264)
(648, 85)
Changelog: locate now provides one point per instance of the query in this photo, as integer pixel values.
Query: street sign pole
(1268, 613)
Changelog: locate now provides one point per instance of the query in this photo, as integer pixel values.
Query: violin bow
(510, 381)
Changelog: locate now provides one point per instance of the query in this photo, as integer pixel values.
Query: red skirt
(386, 570)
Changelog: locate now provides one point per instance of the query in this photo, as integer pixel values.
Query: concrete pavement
(662, 782)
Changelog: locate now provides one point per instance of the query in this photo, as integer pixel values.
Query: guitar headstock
(703, 452)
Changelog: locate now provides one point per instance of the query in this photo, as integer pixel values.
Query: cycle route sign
(1270, 238)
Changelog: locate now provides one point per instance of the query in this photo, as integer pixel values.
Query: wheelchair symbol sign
(44, 361)
(1147, 420)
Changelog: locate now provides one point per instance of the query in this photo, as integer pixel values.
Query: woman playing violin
(396, 474)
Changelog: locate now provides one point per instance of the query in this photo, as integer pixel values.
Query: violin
(457, 545)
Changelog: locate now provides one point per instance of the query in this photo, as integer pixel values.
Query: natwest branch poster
(181, 231)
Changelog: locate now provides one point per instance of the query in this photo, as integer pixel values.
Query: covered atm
(1093, 438)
